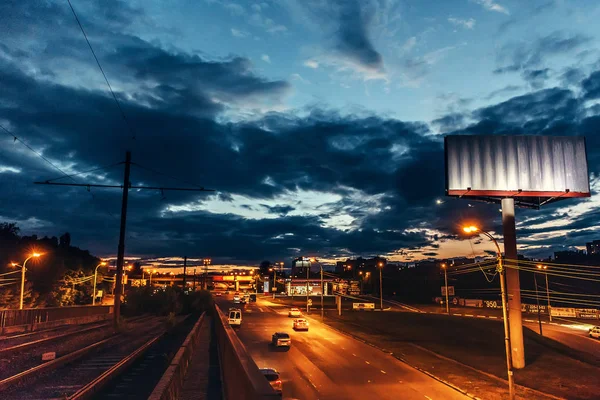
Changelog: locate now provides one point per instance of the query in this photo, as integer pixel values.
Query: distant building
(593, 247)
(569, 256)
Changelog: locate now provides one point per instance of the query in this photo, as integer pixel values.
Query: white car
(236, 299)
(294, 312)
(595, 332)
(300, 324)
(235, 317)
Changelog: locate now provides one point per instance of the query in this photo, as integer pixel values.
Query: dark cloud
(537, 77)
(591, 86)
(531, 55)
(353, 35)
(383, 174)
(505, 90)
(281, 210)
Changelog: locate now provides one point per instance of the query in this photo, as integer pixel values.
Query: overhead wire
(167, 175)
(102, 71)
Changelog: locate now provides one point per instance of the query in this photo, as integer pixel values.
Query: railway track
(77, 372)
(126, 365)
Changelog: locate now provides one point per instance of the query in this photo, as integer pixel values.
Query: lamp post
(446, 283)
(322, 287)
(307, 277)
(206, 262)
(380, 265)
(537, 301)
(95, 278)
(23, 269)
(500, 269)
(545, 267)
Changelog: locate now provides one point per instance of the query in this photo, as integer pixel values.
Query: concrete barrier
(241, 378)
(171, 383)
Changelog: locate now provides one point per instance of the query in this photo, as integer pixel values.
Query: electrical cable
(167, 175)
(102, 71)
(86, 172)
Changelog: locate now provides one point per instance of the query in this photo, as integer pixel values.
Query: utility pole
(274, 289)
(121, 248)
(446, 282)
(307, 276)
(184, 271)
(537, 300)
(322, 290)
(194, 286)
(513, 285)
(381, 286)
(118, 288)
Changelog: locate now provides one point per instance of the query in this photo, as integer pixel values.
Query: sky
(318, 123)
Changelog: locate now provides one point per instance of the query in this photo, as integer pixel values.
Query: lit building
(593, 247)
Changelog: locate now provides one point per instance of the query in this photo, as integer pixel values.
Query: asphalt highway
(325, 364)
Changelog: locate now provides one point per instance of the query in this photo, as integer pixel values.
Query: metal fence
(33, 316)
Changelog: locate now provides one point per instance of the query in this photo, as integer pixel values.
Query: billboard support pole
(513, 284)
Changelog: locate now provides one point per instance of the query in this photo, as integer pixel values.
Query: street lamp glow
(36, 254)
(470, 229)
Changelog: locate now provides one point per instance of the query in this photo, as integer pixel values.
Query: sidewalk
(203, 378)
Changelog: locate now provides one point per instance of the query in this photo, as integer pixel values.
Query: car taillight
(278, 382)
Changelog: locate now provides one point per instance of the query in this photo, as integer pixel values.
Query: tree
(9, 231)
(65, 240)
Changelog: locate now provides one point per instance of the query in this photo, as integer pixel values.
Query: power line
(15, 139)
(102, 70)
(164, 174)
(86, 172)
(24, 143)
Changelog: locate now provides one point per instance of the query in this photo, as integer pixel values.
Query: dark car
(253, 298)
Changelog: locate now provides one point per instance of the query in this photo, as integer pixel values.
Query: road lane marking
(466, 315)
(354, 354)
(428, 397)
(529, 320)
(459, 315)
(481, 316)
(260, 309)
(493, 317)
(383, 372)
(368, 362)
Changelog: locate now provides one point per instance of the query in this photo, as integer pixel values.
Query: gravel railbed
(7, 341)
(67, 379)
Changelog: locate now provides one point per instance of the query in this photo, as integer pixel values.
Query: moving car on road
(253, 298)
(235, 317)
(281, 339)
(595, 332)
(274, 380)
(300, 324)
(218, 294)
(294, 312)
(236, 299)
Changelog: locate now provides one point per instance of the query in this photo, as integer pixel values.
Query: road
(325, 364)
(575, 336)
(571, 333)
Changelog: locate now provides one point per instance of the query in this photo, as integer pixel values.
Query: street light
(23, 269)
(322, 288)
(95, 277)
(446, 281)
(206, 262)
(500, 269)
(545, 267)
(380, 265)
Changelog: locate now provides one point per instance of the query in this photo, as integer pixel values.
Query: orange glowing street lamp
(102, 263)
(23, 269)
(509, 364)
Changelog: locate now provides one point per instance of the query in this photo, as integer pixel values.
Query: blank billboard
(500, 166)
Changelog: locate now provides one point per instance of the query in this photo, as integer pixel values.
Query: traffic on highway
(321, 363)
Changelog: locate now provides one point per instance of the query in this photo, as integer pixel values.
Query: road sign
(309, 302)
(266, 287)
(450, 290)
(363, 306)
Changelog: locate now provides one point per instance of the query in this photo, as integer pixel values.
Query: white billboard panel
(536, 166)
